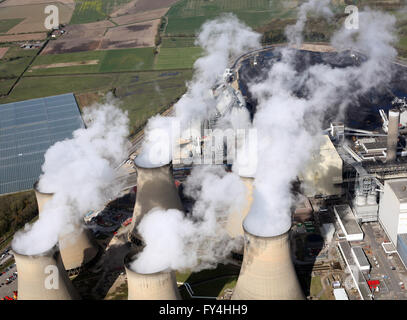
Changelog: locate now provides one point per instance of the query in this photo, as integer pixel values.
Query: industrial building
(348, 223)
(360, 259)
(27, 129)
(323, 173)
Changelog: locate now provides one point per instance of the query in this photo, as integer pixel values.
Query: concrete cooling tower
(78, 247)
(153, 286)
(43, 277)
(234, 224)
(155, 189)
(392, 134)
(42, 197)
(267, 271)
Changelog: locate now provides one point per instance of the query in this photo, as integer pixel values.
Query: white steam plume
(288, 125)
(318, 7)
(198, 241)
(81, 172)
(222, 39)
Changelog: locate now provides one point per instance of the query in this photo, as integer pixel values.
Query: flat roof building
(340, 294)
(27, 129)
(348, 222)
(393, 208)
(360, 259)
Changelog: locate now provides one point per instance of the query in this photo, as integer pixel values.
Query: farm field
(32, 17)
(128, 60)
(177, 58)
(84, 62)
(143, 94)
(186, 17)
(94, 10)
(177, 42)
(7, 24)
(12, 64)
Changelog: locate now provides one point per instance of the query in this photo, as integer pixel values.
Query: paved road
(384, 266)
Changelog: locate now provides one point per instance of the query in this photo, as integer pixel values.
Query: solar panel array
(27, 129)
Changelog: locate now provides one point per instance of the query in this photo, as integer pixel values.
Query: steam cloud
(288, 126)
(198, 241)
(221, 39)
(285, 124)
(81, 173)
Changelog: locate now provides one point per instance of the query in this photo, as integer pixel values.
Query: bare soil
(23, 37)
(143, 16)
(65, 64)
(136, 35)
(3, 51)
(11, 3)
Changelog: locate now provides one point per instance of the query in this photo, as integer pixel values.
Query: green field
(108, 61)
(177, 58)
(143, 94)
(128, 60)
(94, 10)
(7, 24)
(186, 16)
(177, 42)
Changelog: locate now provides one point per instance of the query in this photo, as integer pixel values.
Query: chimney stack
(392, 134)
(78, 247)
(155, 189)
(267, 271)
(152, 286)
(43, 277)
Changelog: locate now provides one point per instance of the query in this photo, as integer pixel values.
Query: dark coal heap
(362, 114)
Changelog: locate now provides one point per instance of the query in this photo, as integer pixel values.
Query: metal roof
(27, 129)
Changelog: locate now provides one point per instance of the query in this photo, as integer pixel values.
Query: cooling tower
(155, 188)
(235, 219)
(77, 248)
(392, 134)
(43, 277)
(41, 197)
(267, 271)
(153, 286)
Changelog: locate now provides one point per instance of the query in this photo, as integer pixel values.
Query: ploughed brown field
(102, 36)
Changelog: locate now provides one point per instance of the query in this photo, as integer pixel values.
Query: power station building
(393, 214)
(323, 173)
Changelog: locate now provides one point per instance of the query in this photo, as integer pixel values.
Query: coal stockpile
(363, 113)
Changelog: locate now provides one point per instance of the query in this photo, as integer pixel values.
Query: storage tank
(155, 189)
(234, 224)
(267, 271)
(392, 134)
(77, 248)
(43, 277)
(152, 286)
